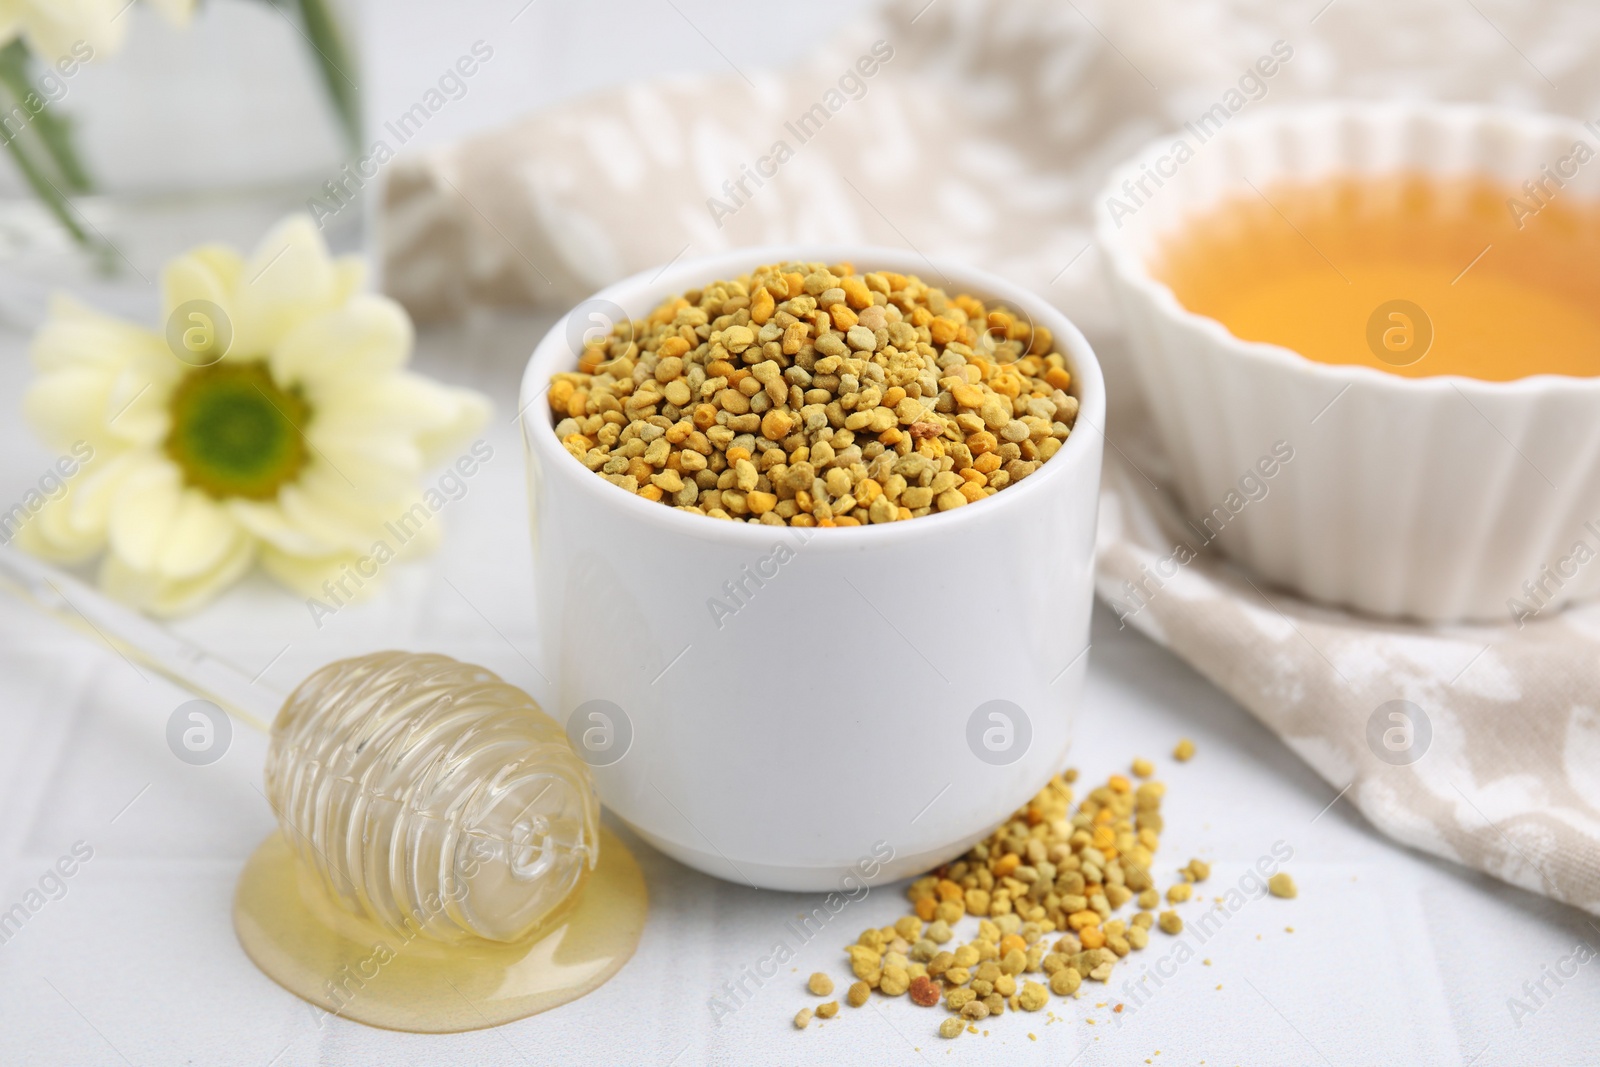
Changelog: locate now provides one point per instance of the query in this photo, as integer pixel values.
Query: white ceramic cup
(840, 727)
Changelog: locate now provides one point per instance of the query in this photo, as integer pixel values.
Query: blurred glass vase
(133, 130)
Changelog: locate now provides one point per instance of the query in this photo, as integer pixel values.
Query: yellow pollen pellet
(856, 381)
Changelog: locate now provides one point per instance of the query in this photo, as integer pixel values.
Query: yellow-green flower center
(235, 433)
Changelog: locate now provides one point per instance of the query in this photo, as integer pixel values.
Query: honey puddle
(356, 969)
(1411, 274)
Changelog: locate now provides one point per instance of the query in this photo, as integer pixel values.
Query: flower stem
(13, 76)
(45, 190)
(335, 62)
(54, 130)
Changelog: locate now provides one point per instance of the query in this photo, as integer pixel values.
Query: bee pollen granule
(805, 394)
(1045, 889)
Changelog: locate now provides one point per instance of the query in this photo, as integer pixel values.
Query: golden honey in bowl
(1413, 274)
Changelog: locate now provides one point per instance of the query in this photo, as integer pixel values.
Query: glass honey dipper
(439, 863)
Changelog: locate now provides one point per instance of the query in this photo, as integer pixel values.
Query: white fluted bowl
(1441, 498)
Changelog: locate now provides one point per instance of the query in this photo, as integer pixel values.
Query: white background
(1394, 958)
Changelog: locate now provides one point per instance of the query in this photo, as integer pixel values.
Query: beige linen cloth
(981, 131)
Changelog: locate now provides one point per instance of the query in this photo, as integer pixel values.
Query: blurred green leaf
(52, 133)
(322, 33)
(54, 129)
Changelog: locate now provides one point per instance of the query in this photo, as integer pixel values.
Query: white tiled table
(1394, 958)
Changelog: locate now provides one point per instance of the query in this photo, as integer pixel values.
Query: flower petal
(324, 508)
(439, 418)
(110, 409)
(372, 466)
(210, 274)
(350, 274)
(70, 404)
(137, 411)
(157, 524)
(164, 529)
(59, 29)
(43, 527)
(382, 436)
(76, 334)
(73, 527)
(368, 336)
(306, 574)
(201, 534)
(462, 413)
(289, 279)
(353, 576)
(267, 521)
(144, 508)
(101, 380)
(406, 536)
(163, 595)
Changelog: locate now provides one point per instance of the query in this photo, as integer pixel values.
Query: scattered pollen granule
(1044, 889)
(1046, 892)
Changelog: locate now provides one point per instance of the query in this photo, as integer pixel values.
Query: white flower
(293, 449)
(56, 29)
